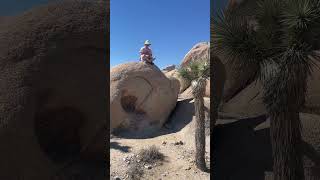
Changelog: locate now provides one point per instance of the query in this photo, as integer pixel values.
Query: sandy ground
(242, 148)
(179, 159)
(178, 164)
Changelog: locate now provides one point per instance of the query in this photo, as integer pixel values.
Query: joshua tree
(197, 73)
(279, 41)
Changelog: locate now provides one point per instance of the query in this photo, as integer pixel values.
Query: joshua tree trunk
(200, 141)
(286, 146)
(218, 80)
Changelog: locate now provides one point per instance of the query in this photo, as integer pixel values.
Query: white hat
(147, 42)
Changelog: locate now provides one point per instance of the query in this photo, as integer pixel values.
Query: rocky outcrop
(141, 97)
(225, 76)
(199, 52)
(169, 68)
(52, 61)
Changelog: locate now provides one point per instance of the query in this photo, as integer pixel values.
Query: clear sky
(172, 26)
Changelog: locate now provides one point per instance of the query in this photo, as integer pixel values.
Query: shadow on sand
(117, 146)
(242, 150)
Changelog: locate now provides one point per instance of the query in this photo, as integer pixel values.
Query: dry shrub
(150, 155)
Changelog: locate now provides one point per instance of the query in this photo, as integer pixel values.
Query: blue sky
(173, 27)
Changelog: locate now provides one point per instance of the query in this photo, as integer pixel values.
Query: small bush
(145, 156)
(150, 155)
(135, 171)
(194, 70)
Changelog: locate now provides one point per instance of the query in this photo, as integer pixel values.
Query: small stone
(165, 173)
(178, 143)
(148, 167)
(164, 142)
(187, 168)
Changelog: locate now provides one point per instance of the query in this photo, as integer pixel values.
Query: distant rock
(141, 96)
(148, 166)
(169, 68)
(178, 143)
(184, 83)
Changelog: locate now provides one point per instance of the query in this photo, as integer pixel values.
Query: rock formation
(141, 96)
(169, 68)
(248, 102)
(52, 84)
(199, 52)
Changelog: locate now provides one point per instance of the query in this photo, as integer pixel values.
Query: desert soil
(179, 159)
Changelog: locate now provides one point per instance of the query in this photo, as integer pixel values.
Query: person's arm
(141, 51)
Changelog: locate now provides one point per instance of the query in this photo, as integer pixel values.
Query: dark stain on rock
(58, 133)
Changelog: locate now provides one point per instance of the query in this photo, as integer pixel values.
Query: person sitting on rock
(146, 53)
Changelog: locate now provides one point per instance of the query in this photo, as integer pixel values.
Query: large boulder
(312, 104)
(52, 87)
(141, 97)
(234, 81)
(248, 102)
(229, 80)
(187, 93)
(184, 83)
(199, 52)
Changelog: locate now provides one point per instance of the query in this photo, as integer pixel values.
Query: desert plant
(198, 72)
(150, 155)
(279, 42)
(135, 171)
